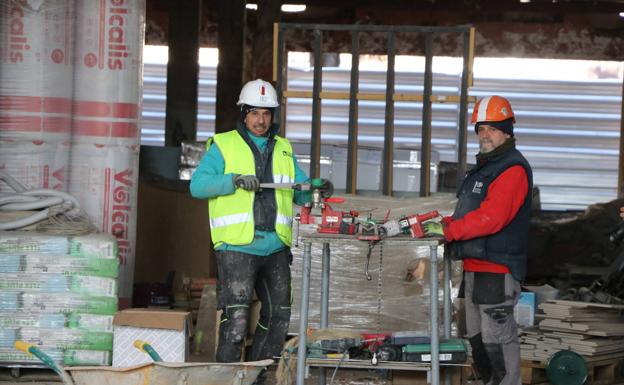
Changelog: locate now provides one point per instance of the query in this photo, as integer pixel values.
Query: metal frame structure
(280, 71)
(434, 324)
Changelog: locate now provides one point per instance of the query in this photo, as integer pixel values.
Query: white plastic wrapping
(106, 120)
(104, 180)
(108, 71)
(400, 300)
(36, 76)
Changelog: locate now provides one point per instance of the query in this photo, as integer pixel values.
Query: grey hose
(51, 203)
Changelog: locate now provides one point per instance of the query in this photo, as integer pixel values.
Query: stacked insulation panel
(59, 293)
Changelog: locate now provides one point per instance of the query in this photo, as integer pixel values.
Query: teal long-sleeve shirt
(209, 181)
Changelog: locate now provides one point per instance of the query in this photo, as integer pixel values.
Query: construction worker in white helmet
(251, 228)
(489, 232)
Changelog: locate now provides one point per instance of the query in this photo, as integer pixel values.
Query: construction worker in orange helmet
(489, 232)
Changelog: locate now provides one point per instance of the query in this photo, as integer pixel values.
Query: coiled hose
(55, 212)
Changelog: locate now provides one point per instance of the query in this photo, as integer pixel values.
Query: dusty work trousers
(239, 274)
(491, 327)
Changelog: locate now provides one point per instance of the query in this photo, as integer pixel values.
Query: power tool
(318, 211)
(411, 224)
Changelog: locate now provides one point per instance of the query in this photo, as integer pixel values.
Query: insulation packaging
(64, 338)
(104, 179)
(106, 120)
(36, 76)
(69, 357)
(60, 293)
(65, 265)
(59, 283)
(86, 322)
(397, 298)
(52, 303)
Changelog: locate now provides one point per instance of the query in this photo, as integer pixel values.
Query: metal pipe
(325, 286)
(435, 340)
(324, 299)
(352, 142)
(303, 311)
(447, 296)
(620, 185)
(425, 147)
(447, 309)
(315, 142)
(388, 151)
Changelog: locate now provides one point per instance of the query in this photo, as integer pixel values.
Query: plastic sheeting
(106, 120)
(70, 102)
(36, 80)
(402, 294)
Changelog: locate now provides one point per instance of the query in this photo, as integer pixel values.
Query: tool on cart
(372, 231)
(330, 221)
(369, 229)
(411, 224)
(332, 348)
(452, 350)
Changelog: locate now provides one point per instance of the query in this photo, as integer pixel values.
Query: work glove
(327, 188)
(433, 228)
(247, 182)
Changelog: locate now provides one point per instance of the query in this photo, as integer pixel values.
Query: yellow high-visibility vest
(231, 216)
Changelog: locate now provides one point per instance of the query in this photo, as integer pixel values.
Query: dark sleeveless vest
(508, 246)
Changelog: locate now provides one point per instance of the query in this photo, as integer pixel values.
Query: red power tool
(332, 221)
(414, 223)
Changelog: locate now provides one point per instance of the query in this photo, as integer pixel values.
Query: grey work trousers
(498, 329)
(239, 274)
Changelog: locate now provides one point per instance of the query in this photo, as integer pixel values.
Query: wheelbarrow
(155, 373)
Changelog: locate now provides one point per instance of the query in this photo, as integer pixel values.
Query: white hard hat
(258, 93)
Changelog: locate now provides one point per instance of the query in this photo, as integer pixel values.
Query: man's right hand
(246, 182)
(622, 212)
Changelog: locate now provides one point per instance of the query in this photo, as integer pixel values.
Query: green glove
(433, 228)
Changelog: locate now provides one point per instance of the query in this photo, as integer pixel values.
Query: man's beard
(483, 149)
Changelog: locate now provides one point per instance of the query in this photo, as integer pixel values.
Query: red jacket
(504, 198)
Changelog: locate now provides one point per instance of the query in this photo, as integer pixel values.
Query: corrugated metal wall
(569, 131)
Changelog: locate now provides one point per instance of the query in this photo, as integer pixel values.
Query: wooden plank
(403, 97)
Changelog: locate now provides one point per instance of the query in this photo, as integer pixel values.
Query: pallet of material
(599, 372)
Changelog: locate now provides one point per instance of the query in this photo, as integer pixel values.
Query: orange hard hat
(492, 109)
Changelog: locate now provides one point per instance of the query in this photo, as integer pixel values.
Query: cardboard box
(543, 293)
(524, 311)
(166, 330)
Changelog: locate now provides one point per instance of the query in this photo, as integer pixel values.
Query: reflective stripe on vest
(231, 216)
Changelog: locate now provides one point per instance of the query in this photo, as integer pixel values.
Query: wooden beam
(231, 39)
(182, 72)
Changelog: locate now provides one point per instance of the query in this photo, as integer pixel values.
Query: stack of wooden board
(589, 329)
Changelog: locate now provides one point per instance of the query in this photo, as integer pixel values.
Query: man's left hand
(327, 188)
(433, 228)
